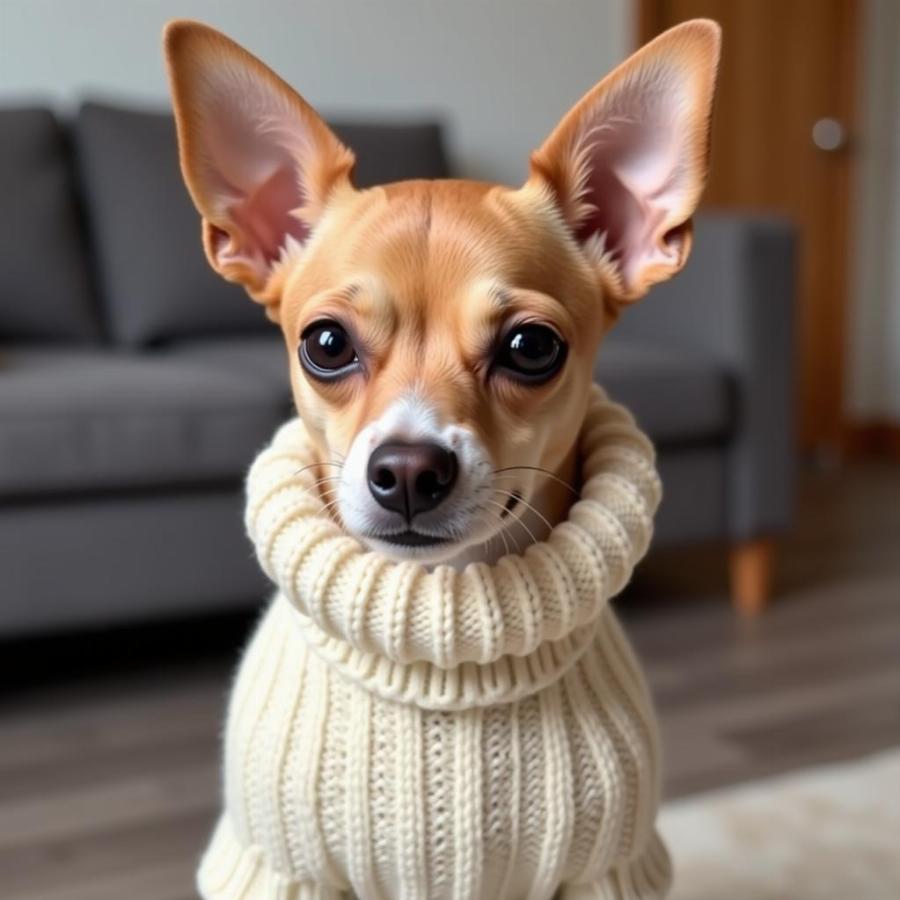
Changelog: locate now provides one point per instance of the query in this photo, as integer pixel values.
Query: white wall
(874, 383)
(500, 72)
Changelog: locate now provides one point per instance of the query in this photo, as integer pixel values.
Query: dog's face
(441, 334)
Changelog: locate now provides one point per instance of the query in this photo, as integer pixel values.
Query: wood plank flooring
(109, 742)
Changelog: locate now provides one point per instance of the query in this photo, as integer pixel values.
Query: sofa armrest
(734, 302)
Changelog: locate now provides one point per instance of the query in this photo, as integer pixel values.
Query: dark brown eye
(531, 353)
(326, 351)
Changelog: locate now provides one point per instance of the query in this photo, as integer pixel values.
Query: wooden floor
(109, 743)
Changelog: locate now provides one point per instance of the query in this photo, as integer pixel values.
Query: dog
(440, 338)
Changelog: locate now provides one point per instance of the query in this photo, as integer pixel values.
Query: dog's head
(441, 333)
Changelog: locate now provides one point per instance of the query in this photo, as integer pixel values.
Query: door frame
(830, 335)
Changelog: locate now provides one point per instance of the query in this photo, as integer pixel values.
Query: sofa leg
(751, 565)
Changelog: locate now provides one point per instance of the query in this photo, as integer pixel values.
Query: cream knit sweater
(396, 732)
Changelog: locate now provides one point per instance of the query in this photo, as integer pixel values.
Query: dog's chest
(340, 786)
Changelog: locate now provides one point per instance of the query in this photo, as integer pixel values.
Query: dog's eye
(326, 350)
(531, 353)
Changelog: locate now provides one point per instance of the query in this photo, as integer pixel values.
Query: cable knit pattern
(411, 733)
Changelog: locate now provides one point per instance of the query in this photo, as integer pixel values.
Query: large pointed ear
(259, 162)
(628, 162)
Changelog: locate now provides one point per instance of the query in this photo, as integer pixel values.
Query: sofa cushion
(154, 279)
(156, 283)
(45, 291)
(81, 421)
(677, 397)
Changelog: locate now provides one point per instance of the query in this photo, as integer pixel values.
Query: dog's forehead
(430, 241)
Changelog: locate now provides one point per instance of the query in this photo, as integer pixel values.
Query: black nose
(411, 478)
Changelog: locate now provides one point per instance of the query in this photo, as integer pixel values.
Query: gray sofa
(136, 387)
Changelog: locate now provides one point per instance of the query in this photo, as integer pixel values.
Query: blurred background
(135, 389)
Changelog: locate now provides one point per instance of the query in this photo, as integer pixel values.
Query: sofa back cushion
(45, 290)
(387, 152)
(156, 284)
(154, 280)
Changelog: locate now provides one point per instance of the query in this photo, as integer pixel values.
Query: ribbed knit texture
(397, 732)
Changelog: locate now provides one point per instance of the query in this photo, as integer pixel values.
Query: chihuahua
(441, 334)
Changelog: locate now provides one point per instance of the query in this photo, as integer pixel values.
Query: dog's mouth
(410, 538)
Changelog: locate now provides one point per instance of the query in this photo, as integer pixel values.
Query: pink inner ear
(249, 170)
(614, 211)
(635, 172)
(629, 187)
(264, 217)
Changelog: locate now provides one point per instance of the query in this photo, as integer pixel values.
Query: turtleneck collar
(447, 639)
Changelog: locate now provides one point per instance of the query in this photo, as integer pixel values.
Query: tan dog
(441, 334)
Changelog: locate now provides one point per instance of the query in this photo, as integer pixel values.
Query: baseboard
(873, 439)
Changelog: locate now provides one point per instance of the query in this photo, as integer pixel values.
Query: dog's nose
(411, 478)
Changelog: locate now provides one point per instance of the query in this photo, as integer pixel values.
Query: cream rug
(822, 834)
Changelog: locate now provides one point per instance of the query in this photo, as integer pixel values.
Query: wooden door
(786, 66)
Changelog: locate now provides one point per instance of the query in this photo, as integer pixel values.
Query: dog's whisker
(504, 531)
(516, 519)
(325, 479)
(327, 508)
(503, 536)
(500, 533)
(527, 505)
(317, 495)
(539, 470)
(314, 464)
(313, 489)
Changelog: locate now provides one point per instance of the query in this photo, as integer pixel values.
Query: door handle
(829, 135)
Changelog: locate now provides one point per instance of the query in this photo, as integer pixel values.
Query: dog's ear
(259, 162)
(627, 164)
